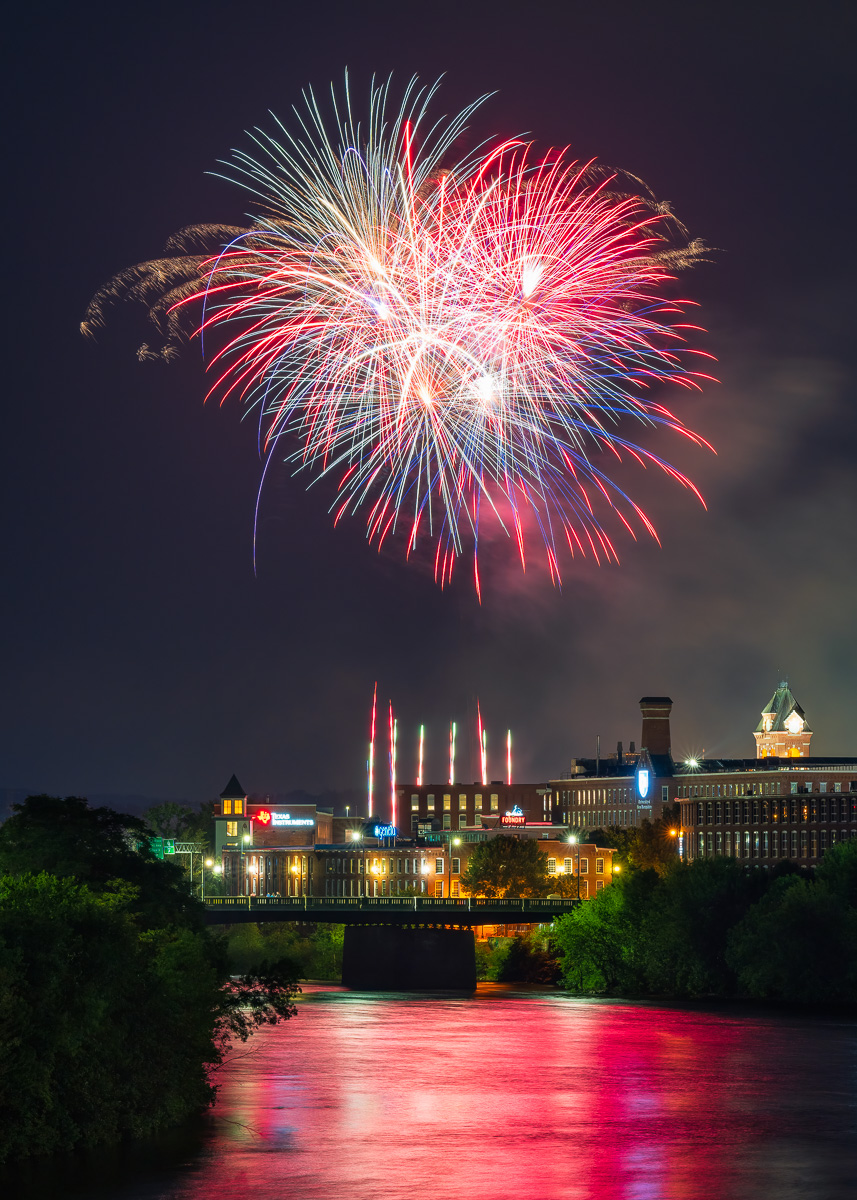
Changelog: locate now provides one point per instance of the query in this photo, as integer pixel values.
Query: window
(438, 887)
(727, 839)
(822, 787)
(462, 801)
(599, 866)
(599, 885)
(567, 867)
(584, 889)
(837, 787)
(584, 866)
(551, 866)
(794, 789)
(495, 802)
(232, 829)
(238, 807)
(438, 866)
(794, 843)
(454, 888)
(407, 866)
(719, 843)
(665, 794)
(400, 866)
(360, 866)
(430, 803)
(447, 802)
(477, 802)
(447, 821)
(415, 804)
(746, 843)
(456, 866)
(227, 807)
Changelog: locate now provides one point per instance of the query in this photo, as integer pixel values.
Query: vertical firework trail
(420, 758)
(451, 753)
(509, 757)
(372, 750)
(483, 758)
(393, 738)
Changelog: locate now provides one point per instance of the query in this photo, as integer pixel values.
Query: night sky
(142, 655)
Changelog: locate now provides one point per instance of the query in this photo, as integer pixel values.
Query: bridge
(386, 910)
(397, 943)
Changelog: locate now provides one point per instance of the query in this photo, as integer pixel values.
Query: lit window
(454, 889)
(438, 887)
(239, 807)
(415, 803)
(495, 802)
(407, 866)
(232, 829)
(584, 888)
(584, 866)
(551, 866)
(447, 802)
(477, 802)
(462, 801)
(227, 807)
(566, 866)
(599, 866)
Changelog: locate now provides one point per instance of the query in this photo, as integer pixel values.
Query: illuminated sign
(285, 819)
(264, 817)
(514, 817)
(643, 783)
(384, 831)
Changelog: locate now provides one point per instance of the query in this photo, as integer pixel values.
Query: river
(511, 1093)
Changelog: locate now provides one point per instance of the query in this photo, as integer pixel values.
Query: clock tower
(782, 731)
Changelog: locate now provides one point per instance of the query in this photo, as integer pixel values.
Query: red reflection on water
(527, 1096)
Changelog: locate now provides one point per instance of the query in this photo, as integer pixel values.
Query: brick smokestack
(656, 724)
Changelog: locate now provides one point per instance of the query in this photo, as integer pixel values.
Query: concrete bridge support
(393, 958)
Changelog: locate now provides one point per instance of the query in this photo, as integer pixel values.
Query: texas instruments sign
(279, 820)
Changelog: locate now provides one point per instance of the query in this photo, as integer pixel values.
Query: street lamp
(452, 842)
(208, 862)
(573, 841)
(244, 841)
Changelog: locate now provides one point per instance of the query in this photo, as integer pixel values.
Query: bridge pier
(393, 958)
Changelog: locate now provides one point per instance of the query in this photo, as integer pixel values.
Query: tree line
(714, 927)
(117, 1004)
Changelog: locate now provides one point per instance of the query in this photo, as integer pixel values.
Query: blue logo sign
(643, 783)
(385, 831)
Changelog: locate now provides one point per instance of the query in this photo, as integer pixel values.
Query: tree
(797, 944)
(601, 944)
(96, 846)
(115, 1000)
(506, 866)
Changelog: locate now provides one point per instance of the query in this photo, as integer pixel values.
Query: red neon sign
(264, 816)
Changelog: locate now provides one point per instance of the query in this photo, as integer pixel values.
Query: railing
(415, 903)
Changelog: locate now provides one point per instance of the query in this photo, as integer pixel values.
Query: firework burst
(443, 340)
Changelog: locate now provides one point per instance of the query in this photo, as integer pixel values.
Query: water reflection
(526, 1095)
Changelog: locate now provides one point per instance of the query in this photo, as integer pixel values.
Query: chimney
(619, 753)
(656, 724)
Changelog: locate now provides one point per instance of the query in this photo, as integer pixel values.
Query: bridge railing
(417, 903)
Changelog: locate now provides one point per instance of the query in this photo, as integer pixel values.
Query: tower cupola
(783, 731)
